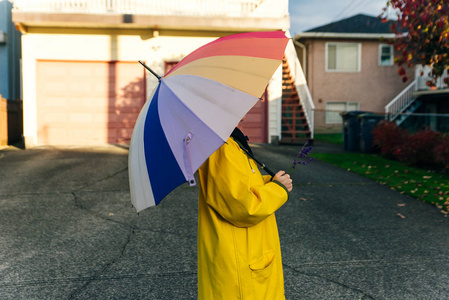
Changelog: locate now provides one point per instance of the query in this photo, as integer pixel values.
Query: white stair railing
(402, 101)
(299, 79)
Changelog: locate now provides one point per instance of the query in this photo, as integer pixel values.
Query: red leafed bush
(418, 148)
(425, 148)
(441, 151)
(388, 137)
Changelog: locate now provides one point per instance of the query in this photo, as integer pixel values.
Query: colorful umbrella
(194, 109)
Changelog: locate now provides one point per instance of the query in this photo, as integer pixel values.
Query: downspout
(304, 54)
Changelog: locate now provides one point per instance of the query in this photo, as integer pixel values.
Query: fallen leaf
(401, 204)
(444, 212)
(110, 214)
(303, 199)
(400, 215)
(427, 177)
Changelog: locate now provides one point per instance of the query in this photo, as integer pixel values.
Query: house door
(88, 102)
(255, 125)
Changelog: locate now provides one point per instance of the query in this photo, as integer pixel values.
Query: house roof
(358, 26)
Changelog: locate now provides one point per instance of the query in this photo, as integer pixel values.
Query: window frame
(391, 55)
(359, 57)
(326, 115)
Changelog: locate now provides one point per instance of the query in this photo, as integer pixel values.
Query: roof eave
(327, 35)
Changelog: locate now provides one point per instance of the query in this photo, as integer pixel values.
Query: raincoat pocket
(262, 268)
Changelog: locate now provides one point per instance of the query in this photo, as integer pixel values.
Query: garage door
(255, 125)
(81, 103)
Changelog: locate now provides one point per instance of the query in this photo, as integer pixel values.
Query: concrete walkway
(68, 231)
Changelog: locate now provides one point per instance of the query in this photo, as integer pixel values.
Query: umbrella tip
(149, 69)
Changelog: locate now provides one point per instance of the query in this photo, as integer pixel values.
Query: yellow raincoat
(239, 255)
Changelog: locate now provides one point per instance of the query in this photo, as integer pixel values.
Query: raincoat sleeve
(237, 191)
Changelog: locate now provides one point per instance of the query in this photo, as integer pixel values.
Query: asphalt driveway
(68, 231)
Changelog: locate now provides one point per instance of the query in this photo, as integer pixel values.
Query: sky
(308, 14)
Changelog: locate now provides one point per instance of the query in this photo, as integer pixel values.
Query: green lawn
(425, 185)
(334, 138)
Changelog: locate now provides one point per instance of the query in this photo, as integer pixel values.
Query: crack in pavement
(101, 179)
(105, 267)
(25, 283)
(374, 262)
(364, 295)
(131, 231)
(98, 274)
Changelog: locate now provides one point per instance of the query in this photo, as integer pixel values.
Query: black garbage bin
(367, 123)
(351, 129)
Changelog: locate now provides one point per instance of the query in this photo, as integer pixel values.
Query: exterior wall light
(3, 37)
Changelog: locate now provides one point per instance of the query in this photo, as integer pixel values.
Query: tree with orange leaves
(422, 35)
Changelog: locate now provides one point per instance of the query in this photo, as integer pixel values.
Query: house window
(169, 65)
(333, 110)
(385, 55)
(343, 57)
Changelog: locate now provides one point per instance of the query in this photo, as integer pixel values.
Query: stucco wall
(110, 45)
(373, 87)
(96, 45)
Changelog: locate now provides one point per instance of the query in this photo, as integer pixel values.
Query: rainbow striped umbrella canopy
(194, 109)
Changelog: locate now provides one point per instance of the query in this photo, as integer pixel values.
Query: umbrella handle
(262, 165)
(268, 170)
(188, 160)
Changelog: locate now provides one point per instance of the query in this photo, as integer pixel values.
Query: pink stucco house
(349, 66)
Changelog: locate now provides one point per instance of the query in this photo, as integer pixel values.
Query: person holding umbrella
(185, 127)
(239, 254)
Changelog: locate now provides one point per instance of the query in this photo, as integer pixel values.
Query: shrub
(418, 149)
(388, 137)
(441, 151)
(426, 148)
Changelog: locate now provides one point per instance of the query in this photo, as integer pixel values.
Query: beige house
(81, 80)
(349, 66)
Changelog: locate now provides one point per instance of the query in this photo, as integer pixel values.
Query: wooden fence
(3, 121)
(11, 121)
